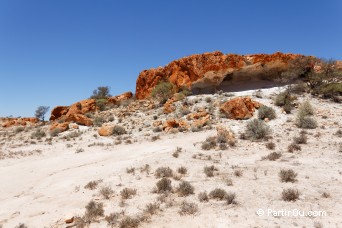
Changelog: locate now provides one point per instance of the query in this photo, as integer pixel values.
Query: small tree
(163, 91)
(41, 111)
(102, 92)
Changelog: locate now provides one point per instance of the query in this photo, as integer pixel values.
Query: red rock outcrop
(215, 70)
(120, 98)
(239, 108)
(58, 112)
(60, 126)
(10, 122)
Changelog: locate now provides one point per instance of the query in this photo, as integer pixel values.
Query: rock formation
(205, 73)
(9, 122)
(239, 108)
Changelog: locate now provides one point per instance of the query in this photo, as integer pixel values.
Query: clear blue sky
(55, 52)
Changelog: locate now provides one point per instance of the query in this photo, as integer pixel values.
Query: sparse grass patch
(230, 198)
(203, 197)
(129, 222)
(152, 208)
(128, 193)
(112, 219)
(92, 185)
(293, 147)
(270, 145)
(301, 139)
(106, 192)
(182, 170)
(287, 175)
(209, 170)
(188, 208)
(238, 173)
(93, 210)
(290, 194)
(272, 156)
(130, 170)
(38, 134)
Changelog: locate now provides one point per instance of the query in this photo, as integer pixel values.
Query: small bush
(185, 189)
(128, 193)
(21, 225)
(284, 98)
(163, 172)
(182, 170)
(129, 222)
(203, 197)
(273, 156)
(287, 175)
(306, 109)
(163, 91)
(209, 170)
(119, 130)
(257, 129)
(290, 194)
(112, 219)
(98, 121)
(270, 145)
(266, 112)
(38, 134)
(218, 194)
(152, 208)
(306, 122)
(238, 173)
(209, 143)
(230, 198)
(91, 185)
(106, 192)
(293, 147)
(188, 208)
(94, 210)
(55, 132)
(302, 139)
(164, 185)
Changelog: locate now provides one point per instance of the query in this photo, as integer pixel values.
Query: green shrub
(306, 122)
(257, 129)
(330, 90)
(38, 134)
(98, 121)
(119, 130)
(266, 112)
(305, 109)
(284, 98)
(163, 91)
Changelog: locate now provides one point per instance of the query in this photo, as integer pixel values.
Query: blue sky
(55, 52)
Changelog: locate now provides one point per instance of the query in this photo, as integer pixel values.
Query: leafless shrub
(152, 208)
(128, 193)
(188, 208)
(218, 194)
(93, 210)
(238, 173)
(203, 197)
(230, 198)
(290, 194)
(288, 175)
(112, 219)
(209, 170)
(92, 185)
(163, 172)
(293, 147)
(106, 192)
(164, 185)
(129, 222)
(182, 170)
(185, 189)
(270, 145)
(272, 156)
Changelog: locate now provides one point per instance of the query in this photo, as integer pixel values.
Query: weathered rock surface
(10, 122)
(204, 73)
(59, 126)
(120, 98)
(105, 130)
(239, 108)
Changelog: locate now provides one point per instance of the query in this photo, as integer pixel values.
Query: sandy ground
(42, 189)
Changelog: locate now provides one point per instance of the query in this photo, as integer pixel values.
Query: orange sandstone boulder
(105, 130)
(60, 126)
(79, 119)
(82, 107)
(239, 108)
